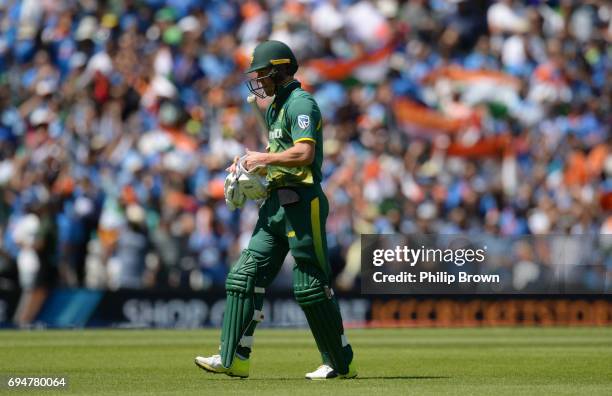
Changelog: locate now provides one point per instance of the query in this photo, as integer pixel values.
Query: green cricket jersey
(293, 117)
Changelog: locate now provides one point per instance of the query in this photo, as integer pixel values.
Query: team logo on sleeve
(303, 121)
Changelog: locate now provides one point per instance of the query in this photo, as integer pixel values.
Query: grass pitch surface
(502, 361)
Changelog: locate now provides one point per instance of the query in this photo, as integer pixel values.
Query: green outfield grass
(496, 361)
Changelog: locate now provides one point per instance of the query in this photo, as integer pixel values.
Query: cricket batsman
(291, 218)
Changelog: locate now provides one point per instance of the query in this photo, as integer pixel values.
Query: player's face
(263, 76)
(263, 84)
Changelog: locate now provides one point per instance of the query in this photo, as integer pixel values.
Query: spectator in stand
(441, 116)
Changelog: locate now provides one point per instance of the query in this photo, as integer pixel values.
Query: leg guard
(323, 316)
(242, 309)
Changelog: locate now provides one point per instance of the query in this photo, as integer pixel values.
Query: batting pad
(324, 319)
(242, 309)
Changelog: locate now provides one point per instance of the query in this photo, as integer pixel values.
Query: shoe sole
(207, 368)
(337, 376)
(211, 370)
(236, 376)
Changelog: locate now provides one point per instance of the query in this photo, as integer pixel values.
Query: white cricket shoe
(322, 373)
(239, 367)
(211, 363)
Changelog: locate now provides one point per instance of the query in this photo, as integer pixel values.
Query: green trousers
(299, 228)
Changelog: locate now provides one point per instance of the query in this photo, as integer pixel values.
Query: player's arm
(301, 154)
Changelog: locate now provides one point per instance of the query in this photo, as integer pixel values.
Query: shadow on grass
(402, 377)
(381, 377)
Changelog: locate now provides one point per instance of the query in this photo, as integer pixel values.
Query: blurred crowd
(119, 117)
